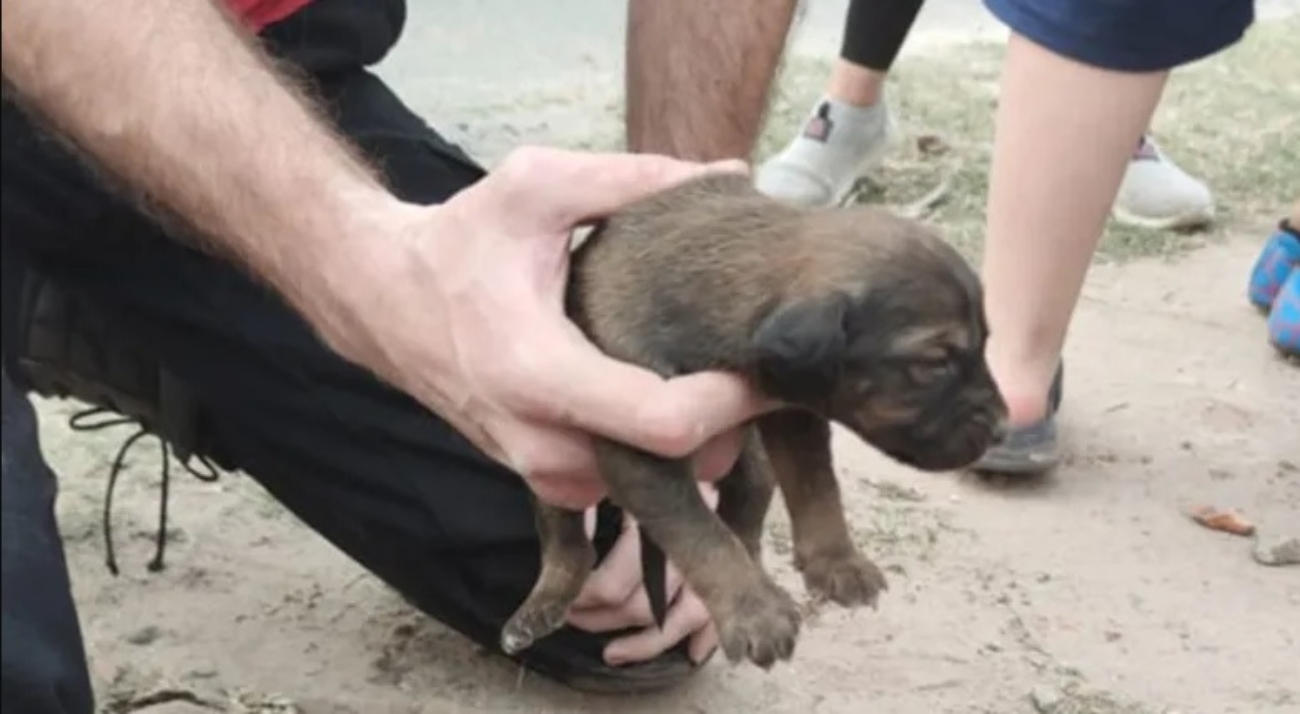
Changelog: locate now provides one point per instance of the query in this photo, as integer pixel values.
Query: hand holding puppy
(466, 314)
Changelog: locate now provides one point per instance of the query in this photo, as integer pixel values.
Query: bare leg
(854, 84)
(1294, 220)
(874, 33)
(1065, 132)
(699, 72)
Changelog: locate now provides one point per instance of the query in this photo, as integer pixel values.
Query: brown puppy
(849, 315)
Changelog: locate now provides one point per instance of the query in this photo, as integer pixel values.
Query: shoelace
(85, 420)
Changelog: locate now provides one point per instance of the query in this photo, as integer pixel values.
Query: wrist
(357, 264)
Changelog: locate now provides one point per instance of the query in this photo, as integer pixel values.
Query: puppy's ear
(800, 348)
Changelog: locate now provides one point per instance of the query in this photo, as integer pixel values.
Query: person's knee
(41, 673)
(1294, 220)
(1130, 35)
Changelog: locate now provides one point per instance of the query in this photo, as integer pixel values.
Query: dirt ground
(1088, 592)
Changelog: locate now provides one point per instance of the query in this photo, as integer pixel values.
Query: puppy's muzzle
(950, 433)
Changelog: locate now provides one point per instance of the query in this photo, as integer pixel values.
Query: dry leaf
(1222, 520)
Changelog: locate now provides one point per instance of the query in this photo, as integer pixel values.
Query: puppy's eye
(934, 370)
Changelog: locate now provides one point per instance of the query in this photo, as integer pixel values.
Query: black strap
(654, 574)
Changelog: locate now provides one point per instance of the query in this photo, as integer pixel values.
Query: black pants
(875, 30)
(381, 478)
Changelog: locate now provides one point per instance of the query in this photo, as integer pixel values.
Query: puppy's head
(882, 329)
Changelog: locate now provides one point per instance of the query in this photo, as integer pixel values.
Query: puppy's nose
(1000, 429)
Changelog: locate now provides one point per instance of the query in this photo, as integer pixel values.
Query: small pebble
(177, 708)
(321, 706)
(145, 636)
(202, 673)
(1276, 552)
(1046, 700)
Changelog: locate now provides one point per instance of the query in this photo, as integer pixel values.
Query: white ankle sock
(837, 143)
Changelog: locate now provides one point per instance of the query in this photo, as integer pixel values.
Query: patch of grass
(892, 531)
(1232, 119)
(1076, 699)
(1235, 118)
(894, 525)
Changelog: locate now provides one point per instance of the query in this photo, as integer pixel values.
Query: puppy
(850, 315)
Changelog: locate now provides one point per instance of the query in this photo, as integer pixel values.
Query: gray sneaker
(1156, 193)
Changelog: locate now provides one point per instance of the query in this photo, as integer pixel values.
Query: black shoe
(68, 348)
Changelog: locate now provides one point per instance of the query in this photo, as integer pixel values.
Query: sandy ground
(1088, 592)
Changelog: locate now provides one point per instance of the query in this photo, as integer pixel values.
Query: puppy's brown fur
(849, 315)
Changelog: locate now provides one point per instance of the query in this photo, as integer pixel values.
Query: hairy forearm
(176, 102)
(699, 72)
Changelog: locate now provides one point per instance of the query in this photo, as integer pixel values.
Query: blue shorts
(1129, 35)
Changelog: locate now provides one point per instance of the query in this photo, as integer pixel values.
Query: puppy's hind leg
(756, 619)
(745, 495)
(799, 446)
(567, 560)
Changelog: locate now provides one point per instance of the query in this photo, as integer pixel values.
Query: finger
(558, 466)
(635, 612)
(567, 493)
(588, 391)
(617, 577)
(716, 458)
(610, 619)
(703, 643)
(709, 492)
(685, 618)
(712, 402)
(567, 188)
(597, 611)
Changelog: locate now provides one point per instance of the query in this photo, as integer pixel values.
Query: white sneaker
(1157, 194)
(838, 144)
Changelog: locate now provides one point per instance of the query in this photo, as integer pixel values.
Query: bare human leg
(1057, 165)
(699, 72)
(854, 84)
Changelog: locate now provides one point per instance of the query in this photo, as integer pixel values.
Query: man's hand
(615, 598)
(459, 305)
(465, 311)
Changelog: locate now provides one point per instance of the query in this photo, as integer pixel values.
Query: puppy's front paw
(761, 624)
(846, 578)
